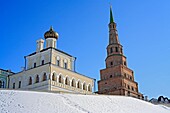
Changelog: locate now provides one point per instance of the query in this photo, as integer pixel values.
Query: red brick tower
(117, 78)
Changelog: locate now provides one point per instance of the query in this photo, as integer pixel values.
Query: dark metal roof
(50, 48)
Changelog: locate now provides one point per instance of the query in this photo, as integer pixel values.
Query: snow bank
(41, 102)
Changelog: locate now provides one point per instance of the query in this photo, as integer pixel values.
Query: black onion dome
(51, 34)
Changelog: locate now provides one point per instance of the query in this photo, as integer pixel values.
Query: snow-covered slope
(41, 102)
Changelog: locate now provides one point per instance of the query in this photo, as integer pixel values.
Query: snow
(12, 101)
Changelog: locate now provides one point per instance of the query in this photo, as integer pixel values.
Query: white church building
(50, 69)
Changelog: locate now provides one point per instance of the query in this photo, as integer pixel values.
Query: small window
(44, 77)
(66, 81)
(13, 85)
(37, 79)
(19, 84)
(116, 49)
(130, 78)
(34, 65)
(30, 81)
(111, 50)
(111, 63)
(65, 65)
(60, 79)
(42, 62)
(53, 77)
(58, 62)
(128, 87)
(125, 63)
(89, 88)
(84, 86)
(132, 88)
(110, 76)
(78, 84)
(73, 83)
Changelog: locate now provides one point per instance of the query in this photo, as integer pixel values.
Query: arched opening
(58, 63)
(30, 81)
(37, 79)
(116, 48)
(60, 79)
(53, 77)
(79, 85)
(84, 86)
(65, 65)
(67, 81)
(89, 88)
(44, 77)
(73, 83)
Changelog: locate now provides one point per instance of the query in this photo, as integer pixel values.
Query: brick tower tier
(117, 78)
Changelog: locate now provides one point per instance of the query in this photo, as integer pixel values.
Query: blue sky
(143, 27)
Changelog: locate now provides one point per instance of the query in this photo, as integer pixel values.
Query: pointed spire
(51, 28)
(111, 15)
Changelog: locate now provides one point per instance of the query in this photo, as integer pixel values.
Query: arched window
(34, 65)
(84, 86)
(13, 85)
(78, 84)
(132, 88)
(89, 88)
(60, 79)
(67, 81)
(53, 77)
(73, 83)
(65, 65)
(19, 85)
(44, 77)
(58, 63)
(116, 49)
(110, 76)
(125, 63)
(37, 79)
(30, 81)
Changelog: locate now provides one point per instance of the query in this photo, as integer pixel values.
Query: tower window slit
(116, 49)
(111, 50)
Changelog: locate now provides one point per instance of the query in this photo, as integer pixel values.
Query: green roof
(111, 15)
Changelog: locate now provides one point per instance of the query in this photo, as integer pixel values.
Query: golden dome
(51, 34)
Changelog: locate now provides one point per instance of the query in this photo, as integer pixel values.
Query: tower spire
(111, 15)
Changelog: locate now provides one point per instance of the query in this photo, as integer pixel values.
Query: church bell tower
(117, 78)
